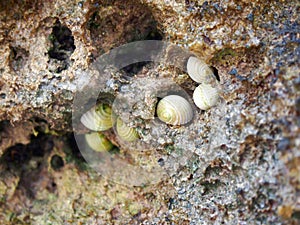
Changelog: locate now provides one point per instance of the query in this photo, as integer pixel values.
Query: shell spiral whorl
(174, 110)
(98, 118)
(125, 132)
(199, 71)
(98, 142)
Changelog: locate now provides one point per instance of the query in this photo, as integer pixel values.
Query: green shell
(125, 132)
(98, 118)
(98, 142)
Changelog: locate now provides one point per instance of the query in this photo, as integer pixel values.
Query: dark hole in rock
(62, 40)
(190, 177)
(296, 215)
(20, 154)
(62, 48)
(134, 68)
(211, 186)
(154, 35)
(216, 73)
(121, 24)
(3, 124)
(18, 57)
(56, 162)
(40, 145)
(137, 215)
(114, 150)
(73, 153)
(15, 155)
(161, 162)
(51, 186)
(171, 203)
(2, 95)
(39, 120)
(297, 105)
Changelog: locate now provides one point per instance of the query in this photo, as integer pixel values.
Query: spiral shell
(125, 132)
(98, 142)
(98, 118)
(174, 110)
(199, 71)
(205, 96)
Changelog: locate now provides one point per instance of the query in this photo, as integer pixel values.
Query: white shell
(98, 118)
(125, 132)
(199, 71)
(205, 96)
(98, 142)
(175, 110)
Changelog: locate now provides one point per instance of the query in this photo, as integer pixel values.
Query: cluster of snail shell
(172, 109)
(100, 118)
(176, 110)
(205, 95)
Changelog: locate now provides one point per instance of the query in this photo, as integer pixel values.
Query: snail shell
(125, 132)
(174, 110)
(98, 142)
(199, 71)
(98, 118)
(205, 96)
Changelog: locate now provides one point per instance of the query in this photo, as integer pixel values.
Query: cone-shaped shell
(98, 142)
(199, 71)
(205, 96)
(98, 118)
(174, 110)
(125, 132)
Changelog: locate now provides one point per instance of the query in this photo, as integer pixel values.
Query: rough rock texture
(242, 165)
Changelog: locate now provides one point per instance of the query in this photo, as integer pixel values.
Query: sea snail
(205, 96)
(199, 71)
(98, 118)
(174, 110)
(98, 142)
(125, 132)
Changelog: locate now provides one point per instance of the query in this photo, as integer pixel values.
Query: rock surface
(237, 163)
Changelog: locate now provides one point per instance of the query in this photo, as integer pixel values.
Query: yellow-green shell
(98, 142)
(98, 118)
(174, 110)
(125, 132)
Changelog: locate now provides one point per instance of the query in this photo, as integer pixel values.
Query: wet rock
(235, 163)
